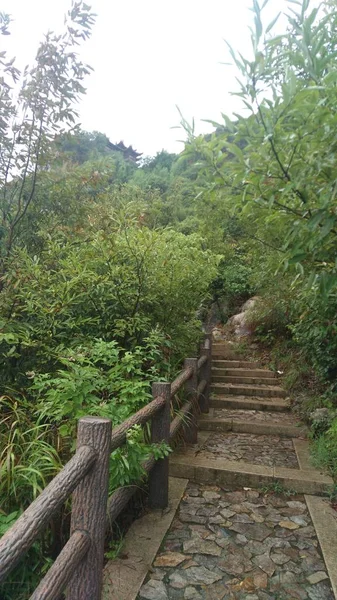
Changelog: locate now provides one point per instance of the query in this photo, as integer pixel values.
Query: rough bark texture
(89, 509)
(202, 360)
(180, 380)
(160, 432)
(139, 418)
(191, 427)
(206, 373)
(63, 568)
(201, 387)
(24, 532)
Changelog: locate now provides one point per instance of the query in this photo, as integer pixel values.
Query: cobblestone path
(241, 545)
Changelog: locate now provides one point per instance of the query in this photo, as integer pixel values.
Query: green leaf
(272, 23)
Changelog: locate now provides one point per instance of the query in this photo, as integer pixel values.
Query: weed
(276, 487)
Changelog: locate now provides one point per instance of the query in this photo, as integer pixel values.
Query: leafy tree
(35, 105)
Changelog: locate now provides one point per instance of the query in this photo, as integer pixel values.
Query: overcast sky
(148, 57)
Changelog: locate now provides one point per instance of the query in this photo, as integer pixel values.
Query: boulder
(240, 322)
(251, 303)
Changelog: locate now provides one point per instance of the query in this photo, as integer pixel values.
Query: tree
(36, 105)
(277, 164)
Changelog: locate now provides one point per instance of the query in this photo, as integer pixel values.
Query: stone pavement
(241, 545)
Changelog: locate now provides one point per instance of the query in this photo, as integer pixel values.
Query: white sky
(148, 56)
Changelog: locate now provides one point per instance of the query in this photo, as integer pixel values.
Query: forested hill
(109, 260)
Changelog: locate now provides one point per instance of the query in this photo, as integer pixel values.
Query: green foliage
(121, 286)
(99, 379)
(126, 463)
(315, 332)
(34, 113)
(324, 451)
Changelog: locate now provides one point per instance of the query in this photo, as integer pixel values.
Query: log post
(160, 432)
(89, 505)
(191, 427)
(206, 373)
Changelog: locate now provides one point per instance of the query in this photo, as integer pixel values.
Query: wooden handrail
(79, 564)
(184, 376)
(63, 568)
(19, 538)
(141, 417)
(202, 361)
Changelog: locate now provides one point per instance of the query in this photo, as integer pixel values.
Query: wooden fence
(79, 566)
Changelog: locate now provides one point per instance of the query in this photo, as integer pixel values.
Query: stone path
(253, 415)
(269, 450)
(241, 545)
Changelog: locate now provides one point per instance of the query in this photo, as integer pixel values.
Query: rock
(170, 559)
(226, 513)
(258, 531)
(282, 579)
(241, 540)
(297, 505)
(257, 580)
(240, 325)
(257, 518)
(154, 590)
(200, 546)
(317, 577)
(235, 497)
(307, 532)
(299, 520)
(288, 525)
(206, 511)
(158, 574)
(189, 563)
(188, 518)
(321, 591)
(265, 563)
(217, 591)
(252, 495)
(202, 576)
(279, 558)
(243, 518)
(235, 563)
(260, 580)
(178, 579)
(251, 303)
(295, 592)
(193, 501)
(211, 496)
(191, 593)
(172, 546)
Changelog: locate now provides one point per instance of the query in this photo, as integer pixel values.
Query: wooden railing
(79, 566)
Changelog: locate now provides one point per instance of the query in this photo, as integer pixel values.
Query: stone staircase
(249, 438)
(223, 537)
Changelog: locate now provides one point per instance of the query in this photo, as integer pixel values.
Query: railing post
(89, 505)
(206, 373)
(160, 432)
(191, 428)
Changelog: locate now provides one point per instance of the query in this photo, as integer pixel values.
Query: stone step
(249, 403)
(239, 372)
(231, 474)
(233, 364)
(270, 391)
(208, 423)
(243, 380)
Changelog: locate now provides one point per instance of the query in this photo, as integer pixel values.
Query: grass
(276, 487)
